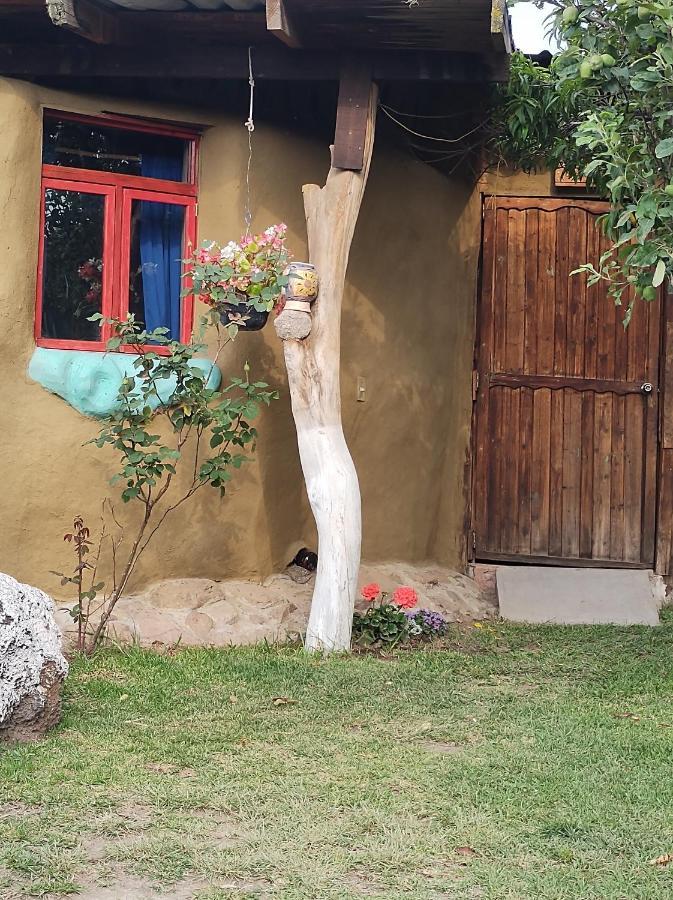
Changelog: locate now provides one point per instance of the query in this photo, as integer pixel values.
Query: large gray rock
(32, 666)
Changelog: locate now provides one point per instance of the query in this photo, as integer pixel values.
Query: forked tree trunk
(313, 367)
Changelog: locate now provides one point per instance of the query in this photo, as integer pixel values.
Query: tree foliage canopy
(604, 108)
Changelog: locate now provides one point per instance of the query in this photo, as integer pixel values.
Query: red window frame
(119, 191)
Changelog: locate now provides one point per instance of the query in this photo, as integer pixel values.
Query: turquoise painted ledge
(89, 381)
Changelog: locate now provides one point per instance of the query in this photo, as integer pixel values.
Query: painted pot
(303, 283)
(253, 319)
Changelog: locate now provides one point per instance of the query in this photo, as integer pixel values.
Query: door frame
(661, 511)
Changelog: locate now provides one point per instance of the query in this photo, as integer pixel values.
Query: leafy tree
(604, 108)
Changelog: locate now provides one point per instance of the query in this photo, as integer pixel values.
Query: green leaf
(659, 274)
(664, 148)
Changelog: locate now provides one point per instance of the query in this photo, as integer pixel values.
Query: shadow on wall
(408, 330)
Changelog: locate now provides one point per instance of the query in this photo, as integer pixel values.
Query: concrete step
(560, 596)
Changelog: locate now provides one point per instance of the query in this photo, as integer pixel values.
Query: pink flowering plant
(247, 274)
(393, 618)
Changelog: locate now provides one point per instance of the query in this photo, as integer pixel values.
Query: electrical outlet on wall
(361, 389)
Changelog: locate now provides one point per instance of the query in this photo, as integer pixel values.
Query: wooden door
(565, 428)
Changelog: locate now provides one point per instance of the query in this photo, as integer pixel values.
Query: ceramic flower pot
(302, 283)
(246, 317)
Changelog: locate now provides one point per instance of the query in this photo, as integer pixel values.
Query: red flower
(88, 270)
(371, 591)
(405, 597)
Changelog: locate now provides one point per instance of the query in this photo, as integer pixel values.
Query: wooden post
(313, 367)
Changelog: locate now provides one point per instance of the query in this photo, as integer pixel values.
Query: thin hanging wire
(250, 125)
(429, 137)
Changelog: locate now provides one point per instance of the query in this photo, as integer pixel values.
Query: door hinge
(475, 385)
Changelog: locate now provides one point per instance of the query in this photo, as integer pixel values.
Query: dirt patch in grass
(139, 815)
(129, 887)
(441, 746)
(18, 810)
(363, 885)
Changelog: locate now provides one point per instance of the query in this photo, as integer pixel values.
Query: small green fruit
(608, 59)
(596, 62)
(570, 15)
(644, 13)
(649, 292)
(586, 71)
(669, 189)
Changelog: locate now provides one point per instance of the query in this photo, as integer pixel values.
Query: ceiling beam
(203, 61)
(279, 23)
(85, 19)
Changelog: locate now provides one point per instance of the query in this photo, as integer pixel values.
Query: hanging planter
(243, 281)
(241, 314)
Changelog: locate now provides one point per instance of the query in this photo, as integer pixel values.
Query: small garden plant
(391, 618)
(87, 587)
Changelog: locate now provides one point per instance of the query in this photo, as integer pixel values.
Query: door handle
(646, 388)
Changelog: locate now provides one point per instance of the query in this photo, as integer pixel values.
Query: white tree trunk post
(313, 367)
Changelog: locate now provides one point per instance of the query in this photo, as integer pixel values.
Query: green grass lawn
(515, 763)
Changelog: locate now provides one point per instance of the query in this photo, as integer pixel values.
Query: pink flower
(371, 591)
(405, 597)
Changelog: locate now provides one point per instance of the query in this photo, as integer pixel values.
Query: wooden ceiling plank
(279, 63)
(280, 24)
(85, 19)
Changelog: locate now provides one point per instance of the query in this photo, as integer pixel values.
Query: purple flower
(427, 621)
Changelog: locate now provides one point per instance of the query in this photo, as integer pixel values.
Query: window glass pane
(103, 148)
(156, 264)
(72, 277)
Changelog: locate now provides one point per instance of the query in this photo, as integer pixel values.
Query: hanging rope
(250, 125)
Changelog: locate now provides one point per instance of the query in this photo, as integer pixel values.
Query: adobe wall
(407, 329)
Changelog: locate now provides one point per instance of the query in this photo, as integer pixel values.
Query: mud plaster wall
(408, 330)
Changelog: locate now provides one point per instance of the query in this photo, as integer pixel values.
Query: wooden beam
(190, 62)
(85, 19)
(352, 115)
(501, 27)
(279, 23)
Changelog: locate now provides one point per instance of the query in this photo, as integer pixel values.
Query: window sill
(89, 379)
(93, 347)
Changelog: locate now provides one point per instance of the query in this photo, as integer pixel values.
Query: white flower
(230, 251)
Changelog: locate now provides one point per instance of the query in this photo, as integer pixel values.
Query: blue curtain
(161, 229)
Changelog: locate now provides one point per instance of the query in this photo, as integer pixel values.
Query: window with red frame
(118, 216)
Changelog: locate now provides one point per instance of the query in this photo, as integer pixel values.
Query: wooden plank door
(565, 426)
